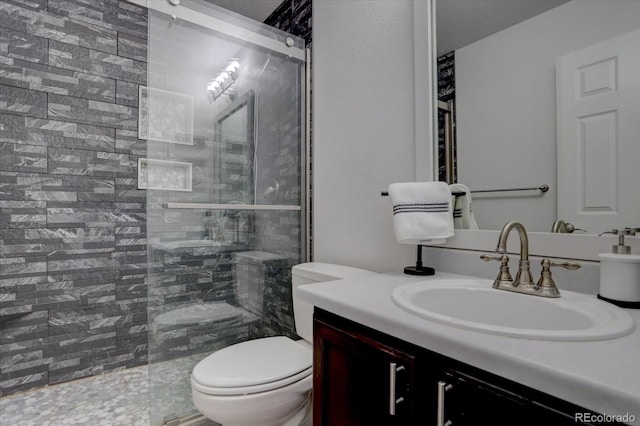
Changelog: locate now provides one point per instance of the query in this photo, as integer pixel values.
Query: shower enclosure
(224, 118)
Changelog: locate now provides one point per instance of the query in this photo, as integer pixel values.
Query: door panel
(598, 130)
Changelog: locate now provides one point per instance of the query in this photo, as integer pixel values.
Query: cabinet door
(360, 381)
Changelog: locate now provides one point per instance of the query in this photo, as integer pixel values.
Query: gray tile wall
(446, 92)
(294, 17)
(73, 286)
(188, 277)
(280, 232)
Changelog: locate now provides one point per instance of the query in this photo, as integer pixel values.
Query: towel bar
(541, 188)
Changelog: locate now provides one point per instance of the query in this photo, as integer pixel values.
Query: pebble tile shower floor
(115, 399)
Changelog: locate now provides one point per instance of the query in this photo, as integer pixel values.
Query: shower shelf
(208, 206)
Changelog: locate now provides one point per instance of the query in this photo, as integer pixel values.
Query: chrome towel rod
(541, 188)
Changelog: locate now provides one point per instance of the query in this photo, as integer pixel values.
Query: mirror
(234, 131)
(544, 92)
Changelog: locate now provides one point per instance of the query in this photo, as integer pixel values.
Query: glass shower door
(223, 116)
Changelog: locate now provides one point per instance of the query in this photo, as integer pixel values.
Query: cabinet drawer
(471, 401)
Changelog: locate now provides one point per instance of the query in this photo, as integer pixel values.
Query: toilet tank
(315, 272)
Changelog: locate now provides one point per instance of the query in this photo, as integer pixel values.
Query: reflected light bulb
(233, 66)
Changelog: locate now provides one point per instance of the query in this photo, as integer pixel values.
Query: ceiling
(459, 22)
(462, 22)
(258, 10)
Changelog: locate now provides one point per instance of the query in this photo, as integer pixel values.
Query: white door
(598, 130)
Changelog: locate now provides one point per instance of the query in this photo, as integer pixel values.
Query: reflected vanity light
(224, 81)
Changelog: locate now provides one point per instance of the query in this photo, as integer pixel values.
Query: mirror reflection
(542, 92)
(234, 131)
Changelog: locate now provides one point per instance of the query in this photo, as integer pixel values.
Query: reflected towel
(462, 213)
(422, 212)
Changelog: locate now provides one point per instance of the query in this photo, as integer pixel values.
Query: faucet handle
(504, 276)
(489, 257)
(504, 260)
(572, 266)
(545, 284)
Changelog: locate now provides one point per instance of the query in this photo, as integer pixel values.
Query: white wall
(363, 128)
(505, 95)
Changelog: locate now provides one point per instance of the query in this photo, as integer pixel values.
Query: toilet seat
(246, 390)
(253, 366)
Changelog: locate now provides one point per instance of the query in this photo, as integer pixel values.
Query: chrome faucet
(523, 283)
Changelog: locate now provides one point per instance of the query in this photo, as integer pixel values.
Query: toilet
(267, 381)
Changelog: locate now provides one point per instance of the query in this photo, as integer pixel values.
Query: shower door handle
(213, 206)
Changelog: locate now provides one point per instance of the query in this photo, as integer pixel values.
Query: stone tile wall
(294, 17)
(446, 92)
(281, 232)
(194, 276)
(73, 287)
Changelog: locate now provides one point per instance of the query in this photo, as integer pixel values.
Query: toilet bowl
(267, 381)
(262, 381)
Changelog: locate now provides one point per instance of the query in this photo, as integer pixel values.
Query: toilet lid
(253, 363)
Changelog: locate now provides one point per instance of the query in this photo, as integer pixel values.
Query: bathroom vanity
(377, 364)
(364, 377)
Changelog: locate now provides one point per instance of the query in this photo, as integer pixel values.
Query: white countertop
(603, 376)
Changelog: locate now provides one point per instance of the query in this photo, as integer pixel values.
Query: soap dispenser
(620, 272)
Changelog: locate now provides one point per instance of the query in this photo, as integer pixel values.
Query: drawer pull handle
(393, 401)
(442, 388)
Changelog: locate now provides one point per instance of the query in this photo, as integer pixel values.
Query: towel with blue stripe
(422, 212)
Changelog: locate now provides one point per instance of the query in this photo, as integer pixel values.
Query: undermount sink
(473, 304)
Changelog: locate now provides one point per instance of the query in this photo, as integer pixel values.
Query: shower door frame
(206, 21)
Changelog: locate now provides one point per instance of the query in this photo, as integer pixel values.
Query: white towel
(422, 212)
(462, 213)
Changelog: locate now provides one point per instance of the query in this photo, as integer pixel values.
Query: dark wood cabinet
(363, 381)
(364, 377)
